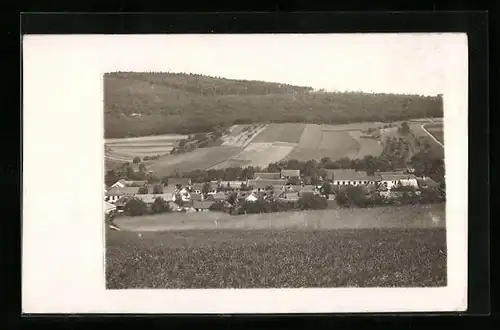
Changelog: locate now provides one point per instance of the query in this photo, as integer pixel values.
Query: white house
(115, 193)
(251, 198)
(350, 177)
(393, 179)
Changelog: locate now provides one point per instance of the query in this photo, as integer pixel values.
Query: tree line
(173, 107)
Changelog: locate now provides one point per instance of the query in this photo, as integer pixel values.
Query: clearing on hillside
(317, 143)
(367, 146)
(260, 154)
(288, 132)
(198, 159)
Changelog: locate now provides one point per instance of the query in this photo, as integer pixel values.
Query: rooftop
(263, 184)
(291, 173)
(202, 204)
(266, 176)
(349, 175)
(119, 191)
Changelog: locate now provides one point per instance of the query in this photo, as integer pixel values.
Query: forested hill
(156, 103)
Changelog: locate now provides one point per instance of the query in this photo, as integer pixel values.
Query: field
(366, 146)
(421, 216)
(436, 130)
(264, 144)
(419, 131)
(320, 141)
(281, 133)
(198, 159)
(270, 259)
(259, 154)
(125, 149)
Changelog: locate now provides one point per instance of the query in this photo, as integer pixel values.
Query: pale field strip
(262, 154)
(170, 137)
(423, 216)
(367, 146)
(241, 139)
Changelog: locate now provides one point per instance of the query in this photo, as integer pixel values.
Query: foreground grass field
(267, 259)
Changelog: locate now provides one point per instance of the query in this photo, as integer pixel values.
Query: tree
(136, 160)
(111, 177)
(326, 189)
(312, 202)
(232, 198)
(158, 189)
(206, 188)
(135, 207)
(160, 206)
(142, 167)
(143, 190)
(404, 129)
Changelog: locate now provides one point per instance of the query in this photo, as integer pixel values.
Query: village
(287, 187)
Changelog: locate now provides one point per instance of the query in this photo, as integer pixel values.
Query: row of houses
(262, 185)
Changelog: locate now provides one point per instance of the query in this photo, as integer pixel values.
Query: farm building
(183, 182)
(267, 176)
(236, 185)
(197, 188)
(218, 196)
(115, 193)
(352, 177)
(289, 196)
(289, 174)
(251, 198)
(392, 179)
(202, 206)
(122, 183)
(259, 185)
(196, 196)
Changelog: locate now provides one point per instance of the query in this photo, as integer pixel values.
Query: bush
(312, 202)
(135, 207)
(160, 206)
(218, 206)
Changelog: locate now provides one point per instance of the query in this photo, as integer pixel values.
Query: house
(289, 196)
(392, 179)
(202, 205)
(267, 176)
(259, 185)
(196, 197)
(197, 188)
(115, 193)
(289, 174)
(251, 198)
(351, 177)
(307, 189)
(108, 207)
(218, 197)
(182, 182)
(128, 183)
(234, 185)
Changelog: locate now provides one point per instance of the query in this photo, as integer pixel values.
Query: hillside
(157, 103)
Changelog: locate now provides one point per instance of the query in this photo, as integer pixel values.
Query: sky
(390, 63)
(384, 63)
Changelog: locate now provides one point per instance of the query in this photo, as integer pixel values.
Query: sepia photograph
(296, 166)
(245, 173)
